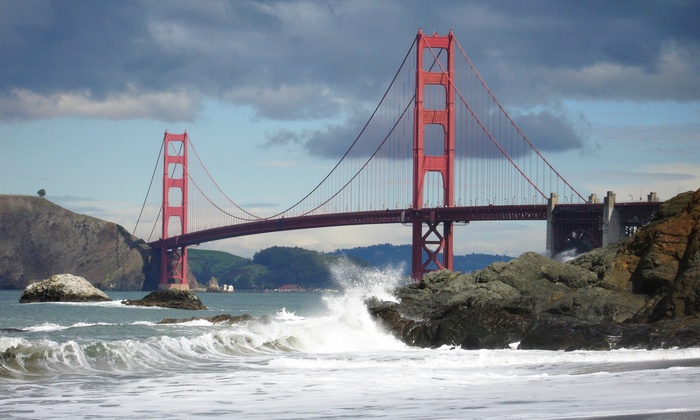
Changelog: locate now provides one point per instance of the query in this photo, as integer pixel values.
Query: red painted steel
(433, 243)
(173, 258)
(406, 217)
(419, 191)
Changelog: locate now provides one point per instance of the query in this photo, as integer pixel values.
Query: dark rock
(563, 336)
(488, 326)
(213, 286)
(566, 336)
(413, 333)
(172, 298)
(62, 288)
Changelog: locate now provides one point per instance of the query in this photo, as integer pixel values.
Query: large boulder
(63, 288)
(171, 298)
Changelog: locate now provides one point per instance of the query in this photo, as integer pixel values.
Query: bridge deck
(441, 214)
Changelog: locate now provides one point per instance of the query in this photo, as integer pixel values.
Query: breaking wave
(345, 326)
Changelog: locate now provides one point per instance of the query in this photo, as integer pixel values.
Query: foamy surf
(324, 358)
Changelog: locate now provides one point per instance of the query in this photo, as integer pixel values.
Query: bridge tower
(438, 118)
(173, 262)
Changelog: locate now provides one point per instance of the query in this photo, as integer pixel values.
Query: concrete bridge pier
(582, 227)
(551, 241)
(612, 231)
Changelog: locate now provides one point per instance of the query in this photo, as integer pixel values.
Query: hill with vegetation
(226, 268)
(387, 255)
(39, 239)
(269, 269)
(275, 267)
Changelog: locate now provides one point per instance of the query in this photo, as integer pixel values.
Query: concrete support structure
(611, 221)
(551, 203)
(584, 227)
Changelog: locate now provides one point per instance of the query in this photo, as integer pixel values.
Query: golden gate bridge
(438, 149)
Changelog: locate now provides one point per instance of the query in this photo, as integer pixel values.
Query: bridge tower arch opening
(173, 261)
(434, 116)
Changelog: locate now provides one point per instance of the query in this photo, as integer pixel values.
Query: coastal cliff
(642, 292)
(39, 239)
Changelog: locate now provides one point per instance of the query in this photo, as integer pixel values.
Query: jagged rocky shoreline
(641, 293)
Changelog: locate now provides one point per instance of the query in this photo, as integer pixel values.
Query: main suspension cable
(148, 192)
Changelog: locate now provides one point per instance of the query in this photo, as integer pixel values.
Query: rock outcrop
(172, 298)
(213, 286)
(643, 292)
(39, 238)
(63, 288)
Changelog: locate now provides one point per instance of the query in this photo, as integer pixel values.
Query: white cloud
(168, 106)
(666, 180)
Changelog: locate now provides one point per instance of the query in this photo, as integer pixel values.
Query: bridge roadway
(438, 214)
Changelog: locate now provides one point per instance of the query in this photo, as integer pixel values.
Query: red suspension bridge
(438, 149)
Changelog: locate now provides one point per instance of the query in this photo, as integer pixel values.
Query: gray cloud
(308, 60)
(284, 137)
(331, 141)
(550, 132)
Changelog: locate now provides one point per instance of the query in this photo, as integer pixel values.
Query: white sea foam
(360, 282)
(49, 326)
(105, 304)
(46, 326)
(195, 323)
(283, 315)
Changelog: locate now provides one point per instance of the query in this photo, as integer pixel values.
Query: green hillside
(277, 266)
(227, 268)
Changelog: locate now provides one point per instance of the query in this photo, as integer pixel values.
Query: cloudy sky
(608, 91)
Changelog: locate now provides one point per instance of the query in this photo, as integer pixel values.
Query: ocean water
(311, 356)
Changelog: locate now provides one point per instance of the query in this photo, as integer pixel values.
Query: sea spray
(361, 282)
(348, 326)
(345, 326)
